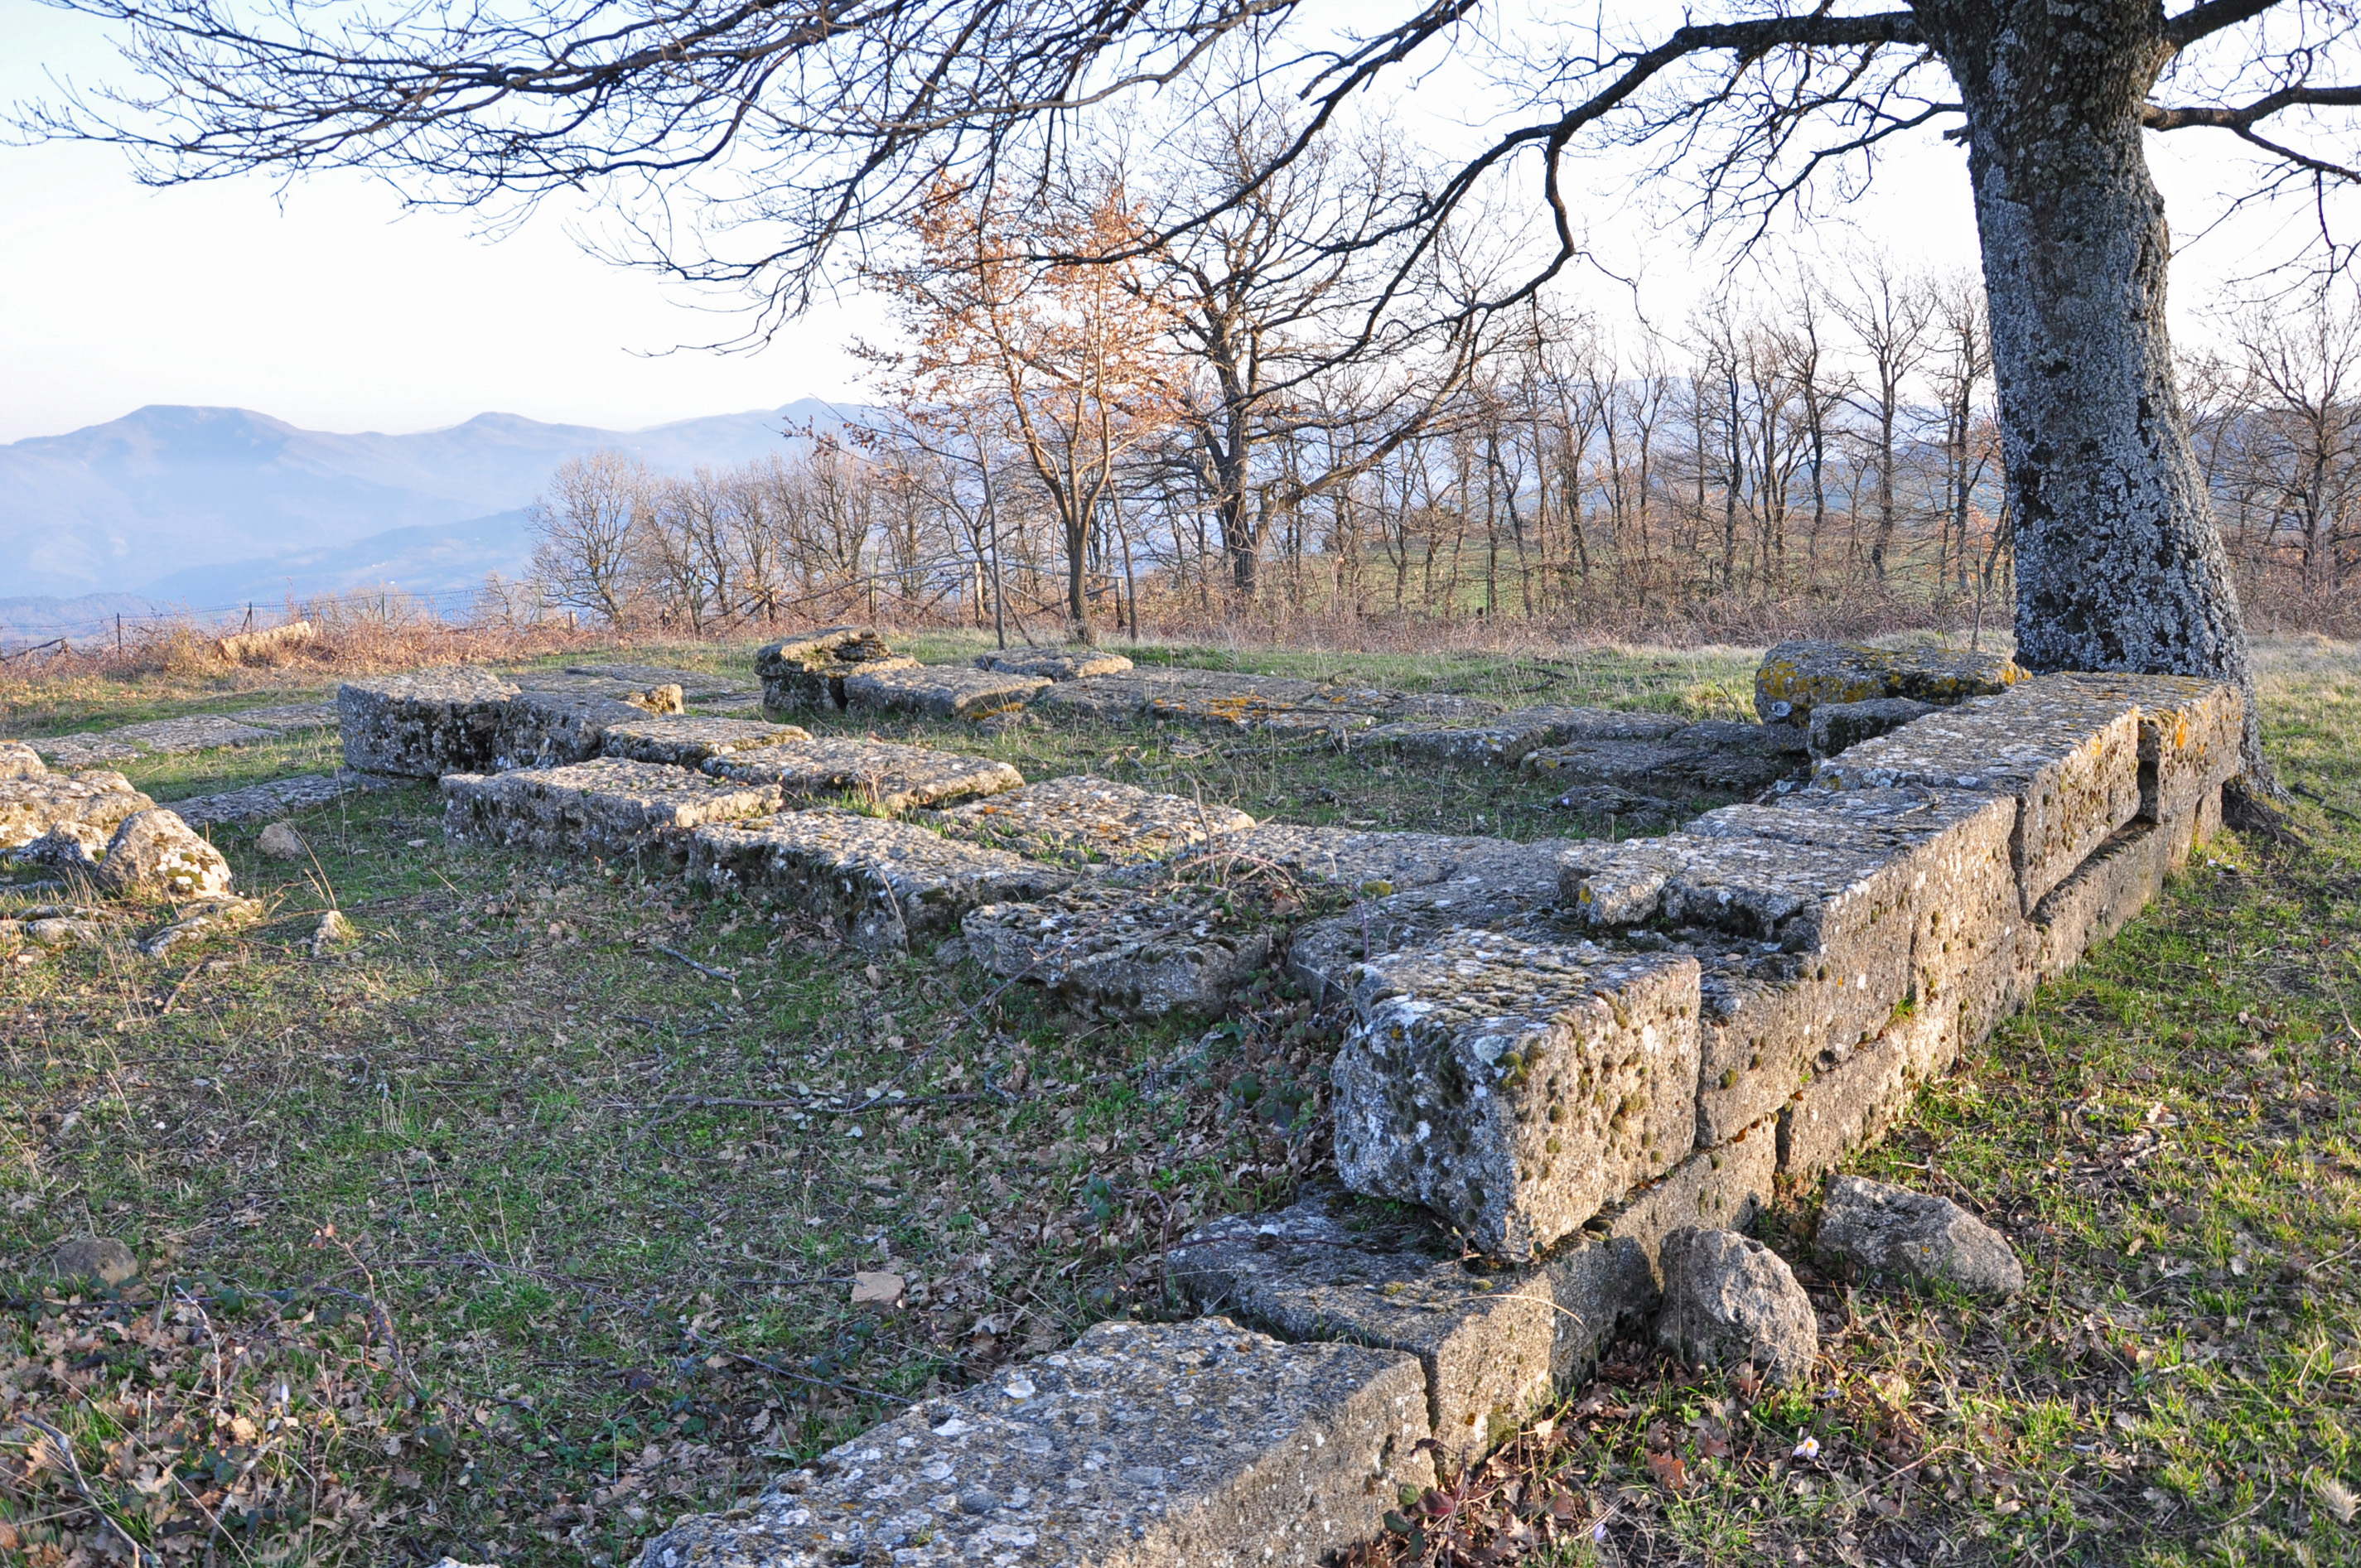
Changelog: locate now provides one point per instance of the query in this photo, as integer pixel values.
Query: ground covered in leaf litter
(533, 1220)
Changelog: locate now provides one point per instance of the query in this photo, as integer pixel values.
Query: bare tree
(587, 528)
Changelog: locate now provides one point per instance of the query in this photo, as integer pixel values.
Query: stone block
(1515, 1088)
(1661, 767)
(876, 773)
(1227, 699)
(1507, 740)
(1377, 863)
(1837, 726)
(425, 724)
(1084, 820)
(1722, 1188)
(553, 729)
(19, 761)
(937, 690)
(604, 807)
(1729, 1301)
(1054, 664)
(689, 740)
(808, 674)
(2191, 735)
(207, 732)
(29, 807)
(1495, 1347)
(1850, 1104)
(1126, 952)
(697, 685)
(275, 798)
(85, 749)
(884, 884)
(1797, 677)
(154, 854)
(2068, 754)
(1147, 1446)
(2107, 892)
(1883, 1229)
(1742, 739)
(291, 718)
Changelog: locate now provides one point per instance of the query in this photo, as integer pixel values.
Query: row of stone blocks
(1695, 1016)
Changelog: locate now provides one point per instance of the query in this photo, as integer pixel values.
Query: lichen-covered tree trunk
(2119, 565)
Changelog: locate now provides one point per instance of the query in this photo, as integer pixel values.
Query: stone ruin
(1590, 1060)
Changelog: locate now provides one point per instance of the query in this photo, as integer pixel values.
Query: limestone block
(1515, 1088)
(2107, 892)
(1797, 677)
(1054, 664)
(1126, 952)
(2191, 735)
(1506, 741)
(291, 718)
(684, 740)
(1883, 1229)
(553, 729)
(18, 761)
(1660, 768)
(876, 773)
(695, 685)
(68, 847)
(937, 690)
(604, 807)
(203, 733)
(808, 674)
(1081, 819)
(423, 725)
(1147, 1446)
(1378, 863)
(1722, 1188)
(1835, 726)
(1849, 1106)
(2068, 754)
(1495, 1347)
(70, 752)
(154, 854)
(1729, 1299)
(29, 807)
(1743, 740)
(275, 798)
(884, 884)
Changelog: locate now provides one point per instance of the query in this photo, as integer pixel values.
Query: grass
(530, 1220)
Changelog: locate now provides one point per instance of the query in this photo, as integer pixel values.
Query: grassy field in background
(449, 1248)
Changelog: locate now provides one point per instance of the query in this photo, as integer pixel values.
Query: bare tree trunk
(2119, 563)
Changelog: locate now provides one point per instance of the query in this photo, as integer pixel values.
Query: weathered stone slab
(2108, 891)
(1494, 1347)
(1660, 768)
(1083, 818)
(1729, 1301)
(604, 807)
(1729, 736)
(554, 730)
(1721, 1188)
(2068, 754)
(937, 690)
(1837, 726)
(2192, 733)
(689, 740)
(884, 884)
(695, 685)
(205, 732)
(881, 774)
(1377, 863)
(1851, 1103)
(29, 807)
(1797, 677)
(422, 725)
(1225, 700)
(291, 718)
(19, 761)
(808, 674)
(85, 749)
(1883, 1229)
(275, 798)
(1147, 1446)
(1053, 663)
(1126, 952)
(1508, 739)
(1516, 1087)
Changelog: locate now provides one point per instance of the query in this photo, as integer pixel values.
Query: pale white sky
(328, 306)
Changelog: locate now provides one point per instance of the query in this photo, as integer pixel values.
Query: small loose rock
(95, 1257)
(1883, 1229)
(280, 841)
(1729, 1299)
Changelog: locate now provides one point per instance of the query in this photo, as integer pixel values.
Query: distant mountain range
(207, 507)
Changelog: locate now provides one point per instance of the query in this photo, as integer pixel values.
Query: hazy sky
(326, 305)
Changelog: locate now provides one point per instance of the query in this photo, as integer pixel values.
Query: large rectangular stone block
(2191, 735)
(883, 883)
(1507, 740)
(202, 732)
(1378, 863)
(876, 773)
(1126, 952)
(2108, 891)
(552, 729)
(2068, 754)
(1516, 1087)
(690, 741)
(1797, 677)
(806, 674)
(1054, 664)
(425, 724)
(937, 690)
(1081, 819)
(1495, 1346)
(1659, 767)
(604, 807)
(1147, 1446)
(1851, 1103)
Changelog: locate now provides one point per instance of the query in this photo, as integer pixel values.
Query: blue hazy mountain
(206, 505)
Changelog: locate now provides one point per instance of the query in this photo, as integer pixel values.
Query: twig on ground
(706, 970)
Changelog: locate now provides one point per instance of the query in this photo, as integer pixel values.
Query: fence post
(118, 636)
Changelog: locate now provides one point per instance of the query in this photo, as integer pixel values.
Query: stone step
(1054, 664)
(276, 798)
(1516, 1087)
(96, 800)
(882, 774)
(424, 724)
(937, 690)
(1147, 1446)
(886, 885)
(1797, 677)
(604, 807)
(689, 740)
(1125, 953)
(1081, 819)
